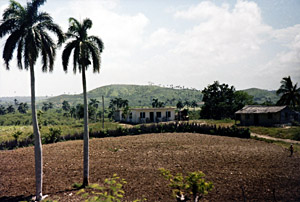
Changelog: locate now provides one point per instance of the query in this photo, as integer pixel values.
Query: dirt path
(275, 139)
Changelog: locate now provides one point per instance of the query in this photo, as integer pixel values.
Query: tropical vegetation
(290, 93)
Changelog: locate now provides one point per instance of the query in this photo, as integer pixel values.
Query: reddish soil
(265, 171)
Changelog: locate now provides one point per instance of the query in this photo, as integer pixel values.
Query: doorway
(152, 116)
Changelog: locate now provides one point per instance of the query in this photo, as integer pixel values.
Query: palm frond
(95, 56)
(75, 59)
(32, 42)
(10, 46)
(14, 9)
(74, 26)
(55, 29)
(43, 16)
(35, 4)
(87, 24)
(67, 52)
(19, 54)
(48, 51)
(98, 41)
(7, 27)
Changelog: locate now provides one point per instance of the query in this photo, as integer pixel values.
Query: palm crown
(290, 94)
(85, 47)
(27, 29)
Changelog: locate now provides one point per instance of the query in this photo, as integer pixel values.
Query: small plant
(111, 192)
(53, 136)
(186, 187)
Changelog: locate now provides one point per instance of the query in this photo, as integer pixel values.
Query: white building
(146, 115)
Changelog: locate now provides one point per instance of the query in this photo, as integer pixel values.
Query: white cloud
(229, 43)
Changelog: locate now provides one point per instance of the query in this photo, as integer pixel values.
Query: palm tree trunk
(37, 141)
(86, 134)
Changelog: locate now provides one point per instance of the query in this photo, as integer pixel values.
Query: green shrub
(112, 191)
(193, 186)
(53, 136)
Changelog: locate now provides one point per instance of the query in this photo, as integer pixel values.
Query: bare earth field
(265, 171)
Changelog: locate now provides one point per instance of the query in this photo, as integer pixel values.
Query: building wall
(283, 117)
(136, 115)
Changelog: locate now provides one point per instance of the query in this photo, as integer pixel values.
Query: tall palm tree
(85, 48)
(290, 94)
(27, 29)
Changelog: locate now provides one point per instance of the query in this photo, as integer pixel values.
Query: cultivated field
(265, 171)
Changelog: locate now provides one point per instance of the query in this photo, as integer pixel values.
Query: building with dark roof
(266, 115)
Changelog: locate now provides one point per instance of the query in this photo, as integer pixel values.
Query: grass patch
(280, 143)
(292, 132)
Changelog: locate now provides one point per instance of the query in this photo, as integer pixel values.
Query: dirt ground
(264, 171)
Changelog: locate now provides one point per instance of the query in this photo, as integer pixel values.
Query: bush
(184, 188)
(53, 136)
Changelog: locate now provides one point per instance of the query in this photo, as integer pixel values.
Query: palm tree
(194, 104)
(27, 31)
(290, 94)
(84, 49)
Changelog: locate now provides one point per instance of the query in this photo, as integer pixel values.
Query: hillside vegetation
(139, 95)
(261, 96)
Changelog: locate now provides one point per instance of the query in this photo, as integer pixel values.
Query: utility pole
(102, 111)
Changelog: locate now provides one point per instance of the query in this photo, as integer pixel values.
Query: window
(130, 115)
(168, 114)
(270, 116)
(142, 115)
(247, 116)
(158, 114)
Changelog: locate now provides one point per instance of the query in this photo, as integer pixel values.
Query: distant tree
(116, 104)
(187, 104)
(66, 106)
(179, 106)
(16, 102)
(45, 106)
(290, 93)
(241, 99)
(23, 107)
(10, 109)
(2, 110)
(157, 104)
(221, 101)
(79, 111)
(73, 111)
(50, 105)
(94, 103)
(194, 104)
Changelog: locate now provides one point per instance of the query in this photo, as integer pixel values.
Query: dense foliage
(181, 127)
(222, 101)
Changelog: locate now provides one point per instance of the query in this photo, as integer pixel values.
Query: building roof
(152, 109)
(258, 109)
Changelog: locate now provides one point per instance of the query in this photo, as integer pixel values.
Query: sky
(173, 42)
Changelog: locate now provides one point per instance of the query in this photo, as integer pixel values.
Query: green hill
(261, 96)
(137, 95)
